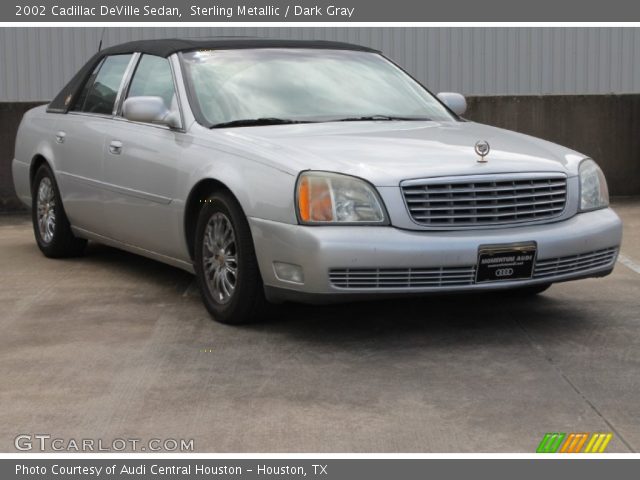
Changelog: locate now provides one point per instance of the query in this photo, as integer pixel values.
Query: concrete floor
(116, 346)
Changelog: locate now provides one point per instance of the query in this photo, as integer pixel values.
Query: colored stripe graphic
(569, 443)
(580, 443)
(579, 440)
(598, 443)
(550, 442)
(556, 442)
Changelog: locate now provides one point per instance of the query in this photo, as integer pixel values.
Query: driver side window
(153, 78)
(101, 89)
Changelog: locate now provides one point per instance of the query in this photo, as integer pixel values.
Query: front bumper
(587, 243)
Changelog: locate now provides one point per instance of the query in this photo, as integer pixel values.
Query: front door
(141, 164)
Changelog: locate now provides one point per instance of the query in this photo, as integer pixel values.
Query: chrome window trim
(177, 92)
(90, 114)
(124, 84)
(146, 124)
(183, 97)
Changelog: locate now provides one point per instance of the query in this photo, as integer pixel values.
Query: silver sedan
(306, 171)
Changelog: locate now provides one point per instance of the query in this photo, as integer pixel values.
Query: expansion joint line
(573, 386)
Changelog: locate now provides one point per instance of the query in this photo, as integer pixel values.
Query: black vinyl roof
(166, 47)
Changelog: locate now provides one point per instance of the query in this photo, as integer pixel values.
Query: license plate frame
(506, 262)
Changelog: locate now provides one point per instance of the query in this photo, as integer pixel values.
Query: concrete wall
(10, 116)
(605, 127)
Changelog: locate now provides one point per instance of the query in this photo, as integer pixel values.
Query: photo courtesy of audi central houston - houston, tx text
(318, 240)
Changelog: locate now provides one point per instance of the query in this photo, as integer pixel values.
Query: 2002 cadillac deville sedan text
(310, 171)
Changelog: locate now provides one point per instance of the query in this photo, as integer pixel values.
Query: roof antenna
(101, 38)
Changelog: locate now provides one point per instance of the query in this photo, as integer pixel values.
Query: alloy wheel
(220, 257)
(46, 210)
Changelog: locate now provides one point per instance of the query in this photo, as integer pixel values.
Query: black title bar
(325, 11)
(316, 469)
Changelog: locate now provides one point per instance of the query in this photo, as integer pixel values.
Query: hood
(385, 153)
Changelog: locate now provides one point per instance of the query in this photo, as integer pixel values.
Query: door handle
(115, 147)
(60, 136)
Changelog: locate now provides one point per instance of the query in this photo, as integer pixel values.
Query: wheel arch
(36, 162)
(195, 202)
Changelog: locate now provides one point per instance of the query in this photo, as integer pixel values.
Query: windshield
(304, 85)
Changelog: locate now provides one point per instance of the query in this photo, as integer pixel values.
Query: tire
(50, 224)
(531, 291)
(225, 258)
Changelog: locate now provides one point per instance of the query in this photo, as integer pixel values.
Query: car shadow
(437, 319)
(130, 264)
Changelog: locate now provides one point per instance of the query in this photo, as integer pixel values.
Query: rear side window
(85, 90)
(153, 78)
(100, 92)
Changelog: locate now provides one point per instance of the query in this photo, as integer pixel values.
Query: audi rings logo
(504, 272)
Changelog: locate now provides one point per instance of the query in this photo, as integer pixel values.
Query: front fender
(262, 190)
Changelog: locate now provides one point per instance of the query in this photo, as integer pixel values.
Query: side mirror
(149, 110)
(454, 101)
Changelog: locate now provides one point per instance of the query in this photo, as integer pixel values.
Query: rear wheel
(226, 264)
(50, 224)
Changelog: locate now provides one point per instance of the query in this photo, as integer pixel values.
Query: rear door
(79, 142)
(141, 162)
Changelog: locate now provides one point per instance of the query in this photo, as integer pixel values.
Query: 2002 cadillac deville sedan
(308, 171)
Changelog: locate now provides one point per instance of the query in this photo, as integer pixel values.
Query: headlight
(324, 198)
(594, 193)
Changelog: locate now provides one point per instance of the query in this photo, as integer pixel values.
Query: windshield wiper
(254, 122)
(381, 117)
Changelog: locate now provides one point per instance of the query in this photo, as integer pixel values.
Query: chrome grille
(477, 201)
(443, 277)
(401, 277)
(575, 263)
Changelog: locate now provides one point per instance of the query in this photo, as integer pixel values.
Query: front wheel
(226, 264)
(50, 224)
